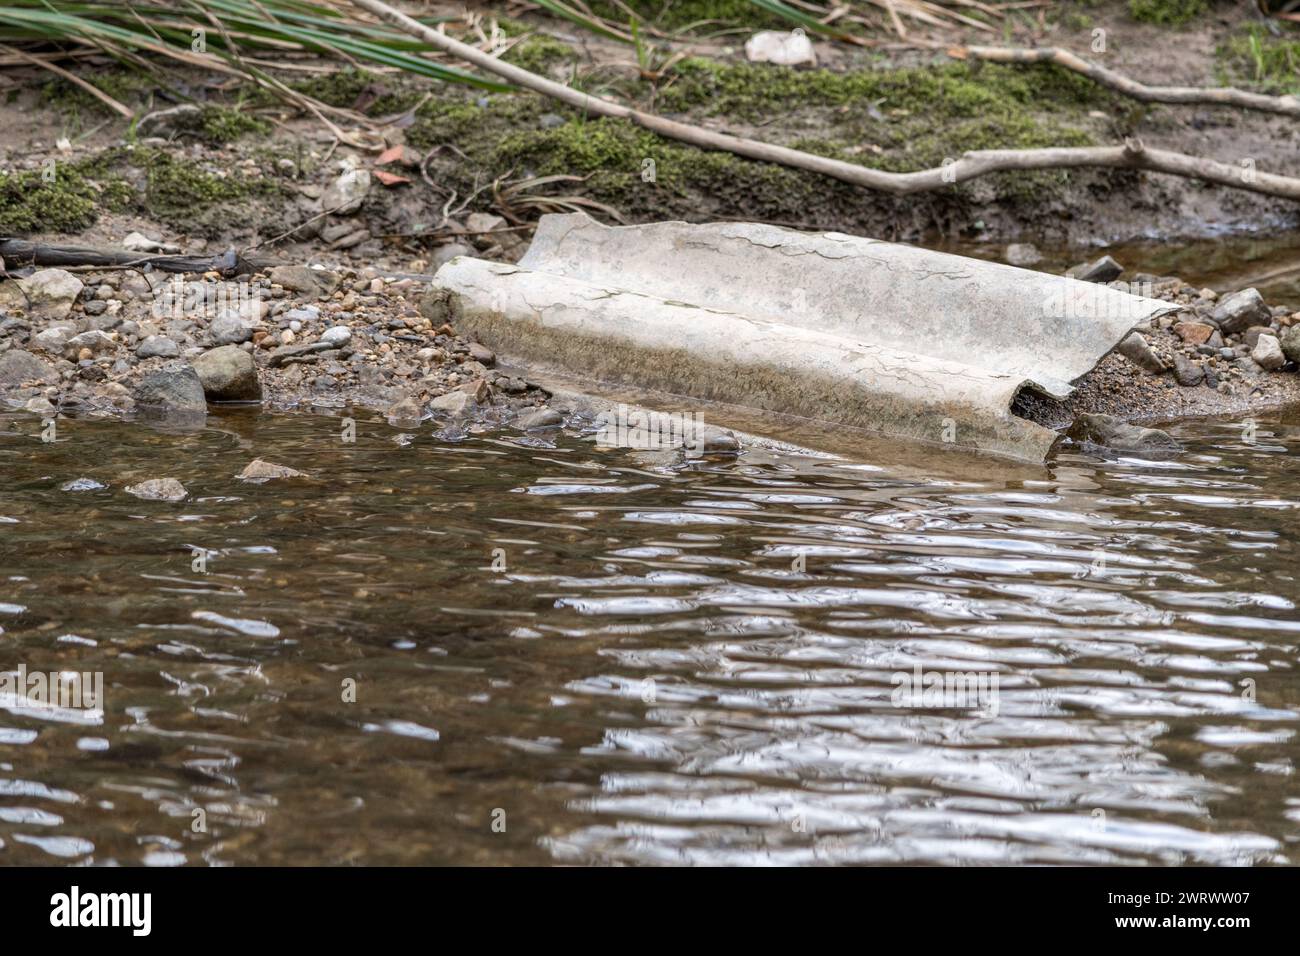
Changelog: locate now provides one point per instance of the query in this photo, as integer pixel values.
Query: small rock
(260, 470)
(82, 484)
(1104, 269)
(159, 489)
(444, 254)
(455, 403)
(158, 346)
(1136, 350)
(540, 418)
(336, 336)
(40, 405)
(1239, 311)
(405, 412)
(94, 341)
(718, 442)
(302, 279)
(229, 328)
(1194, 333)
(228, 374)
(1268, 353)
(50, 293)
(175, 387)
(346, 194)
(782, 47)
(1117, 434)
(486, 226)
(482, 354)
(1187, 373)
(1022, 254)
(139, 242)
(1252, 334)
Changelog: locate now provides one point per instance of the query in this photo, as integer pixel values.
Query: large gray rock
(53, 339)
(18, 367)
(1291, 343)
(228, 374)
(175, 387)
(1118, 435)
(1241, 310)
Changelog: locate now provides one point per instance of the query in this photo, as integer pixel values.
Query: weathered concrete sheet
(870, 334)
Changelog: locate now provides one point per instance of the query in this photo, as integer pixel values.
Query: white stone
(1268, 353)
(780, 47)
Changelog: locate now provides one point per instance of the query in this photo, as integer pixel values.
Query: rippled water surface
(577, 654)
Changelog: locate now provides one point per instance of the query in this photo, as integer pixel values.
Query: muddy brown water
(575, 654)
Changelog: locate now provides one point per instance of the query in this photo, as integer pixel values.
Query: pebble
(159, 489)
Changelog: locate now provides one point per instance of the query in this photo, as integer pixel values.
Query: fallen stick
(1131, 155)
(1225, 96)
(19, 252)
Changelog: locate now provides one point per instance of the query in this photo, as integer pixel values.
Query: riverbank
(125, 343)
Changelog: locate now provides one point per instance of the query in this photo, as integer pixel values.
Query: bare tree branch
(1208, 96)
(1131, 155)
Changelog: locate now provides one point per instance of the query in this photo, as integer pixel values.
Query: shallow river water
(494, 651)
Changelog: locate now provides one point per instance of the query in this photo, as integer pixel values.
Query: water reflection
(495, 652)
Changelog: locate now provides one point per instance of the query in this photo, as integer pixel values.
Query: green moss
(179, 192)
(65, 197)
(1270, 64)
(538, 53)
(1166, 12)
(176, 192)
(218, 124)
(78, 106)
(346, 88)
(945, 91)
(475, 126)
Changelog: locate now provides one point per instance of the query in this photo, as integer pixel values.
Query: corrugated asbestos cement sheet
(874, 335)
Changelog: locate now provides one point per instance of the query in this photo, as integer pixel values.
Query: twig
(1286, 105)
(72, 78)
(1132, 155)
